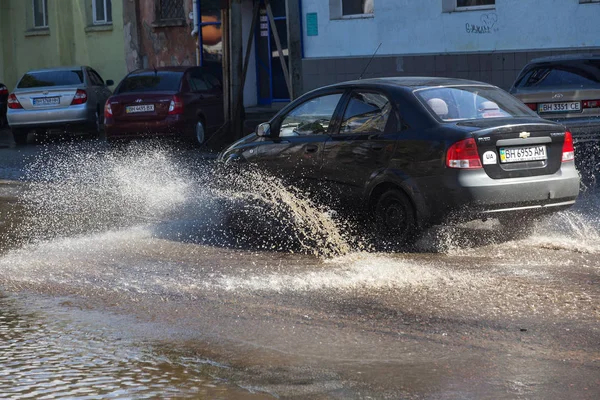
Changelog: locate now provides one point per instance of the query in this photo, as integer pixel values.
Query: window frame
(95, 19)
(474, 8)
(44, 14)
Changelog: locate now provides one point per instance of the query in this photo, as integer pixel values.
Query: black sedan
(419, 151)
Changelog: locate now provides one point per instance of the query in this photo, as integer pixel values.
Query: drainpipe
(198, 31)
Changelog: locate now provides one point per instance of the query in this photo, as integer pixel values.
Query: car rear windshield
(160, 81)
(51, 78)
(457, 103)
(576, 74)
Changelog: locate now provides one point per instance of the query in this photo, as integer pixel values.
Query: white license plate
(137, 109)
(46, 101)
(570, 106)
(520, 154)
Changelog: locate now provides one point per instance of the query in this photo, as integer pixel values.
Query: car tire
(199, 133)
(395, 218)
(20, 136)
(96, 133)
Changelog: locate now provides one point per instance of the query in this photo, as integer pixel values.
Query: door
(205, 97)
(362, 147)
(271, 84)
(295, 150)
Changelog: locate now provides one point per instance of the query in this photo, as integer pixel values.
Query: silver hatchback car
(65, 99)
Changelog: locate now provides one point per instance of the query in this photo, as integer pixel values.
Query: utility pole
(294, 35)
(236, 68)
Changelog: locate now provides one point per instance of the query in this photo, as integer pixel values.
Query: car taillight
(3, 90)
(79, 98)
(107, 110)
(176, 106)
(532, 106)
(13, 102)
(463, 155)
(568, 151)
(590, 104)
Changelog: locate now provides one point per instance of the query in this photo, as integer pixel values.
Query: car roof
(64, 68)
(412, 82)
(173, 68)
(565, 57)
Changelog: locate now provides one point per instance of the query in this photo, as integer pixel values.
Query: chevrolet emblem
(524, 135)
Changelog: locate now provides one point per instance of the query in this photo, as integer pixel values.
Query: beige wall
(71, 39)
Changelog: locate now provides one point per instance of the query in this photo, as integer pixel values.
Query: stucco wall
(420, 27)
(69, 40)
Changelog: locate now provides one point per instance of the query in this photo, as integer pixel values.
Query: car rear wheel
(395, 218)
(200, 132)
(98, 126)
(20, 136)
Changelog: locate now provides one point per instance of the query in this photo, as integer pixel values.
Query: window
(469, 4)
(102, 12)
(366, 113)
(170, 9)
(51, 78)
(311, 117)
(197, 82)
(151, 82)
(95, 78)
(347, 8)
(40, 13)
(471, 102)
(354, 7)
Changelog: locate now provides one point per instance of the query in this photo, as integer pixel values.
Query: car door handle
(311, 148)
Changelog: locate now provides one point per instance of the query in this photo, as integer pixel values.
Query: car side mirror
(110, 82)
(263, 129)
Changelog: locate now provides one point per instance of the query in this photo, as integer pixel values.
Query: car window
(457, 103)
(51, 78)
(311, 117)
(212, 80)
(366, 112)
(584, 73)
(151, 82)
(95, 78)
(197, 82)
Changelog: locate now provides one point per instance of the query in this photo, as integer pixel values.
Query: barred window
(170, 9)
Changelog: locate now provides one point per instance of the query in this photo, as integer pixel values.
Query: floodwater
(146, 272)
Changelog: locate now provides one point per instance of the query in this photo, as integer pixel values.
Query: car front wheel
(200, 132)
(395, 217)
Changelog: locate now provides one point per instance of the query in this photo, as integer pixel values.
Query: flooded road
(122, 278)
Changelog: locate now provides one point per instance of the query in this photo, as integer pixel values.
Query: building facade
(486, 40)
(48, 33)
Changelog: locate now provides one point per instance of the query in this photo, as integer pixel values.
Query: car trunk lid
(511, 149)
(141, 106)
(46, 97)
(562, 103)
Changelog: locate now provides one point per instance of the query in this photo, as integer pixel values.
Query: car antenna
(369, 63)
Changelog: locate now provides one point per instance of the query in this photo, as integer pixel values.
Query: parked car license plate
(520, 154)
(46, 101)
(571, 106)
(137, 109)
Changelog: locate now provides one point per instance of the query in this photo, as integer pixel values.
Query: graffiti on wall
(487, 24)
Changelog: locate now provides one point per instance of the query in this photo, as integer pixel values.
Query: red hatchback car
(184, 102)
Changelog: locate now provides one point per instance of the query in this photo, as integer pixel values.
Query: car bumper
(583, 129)
(473, 194)
(172, 125)
(73, 115)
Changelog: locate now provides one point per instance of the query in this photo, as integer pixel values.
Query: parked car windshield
(51, 78)
(160, 81)
(572, 73)
(456, 103)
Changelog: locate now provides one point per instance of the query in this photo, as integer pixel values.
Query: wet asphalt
(468, 314)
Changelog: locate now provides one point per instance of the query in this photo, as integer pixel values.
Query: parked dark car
(184, 102)
(417, 151)
(3, 99)
(564, 89)
(66, 99)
